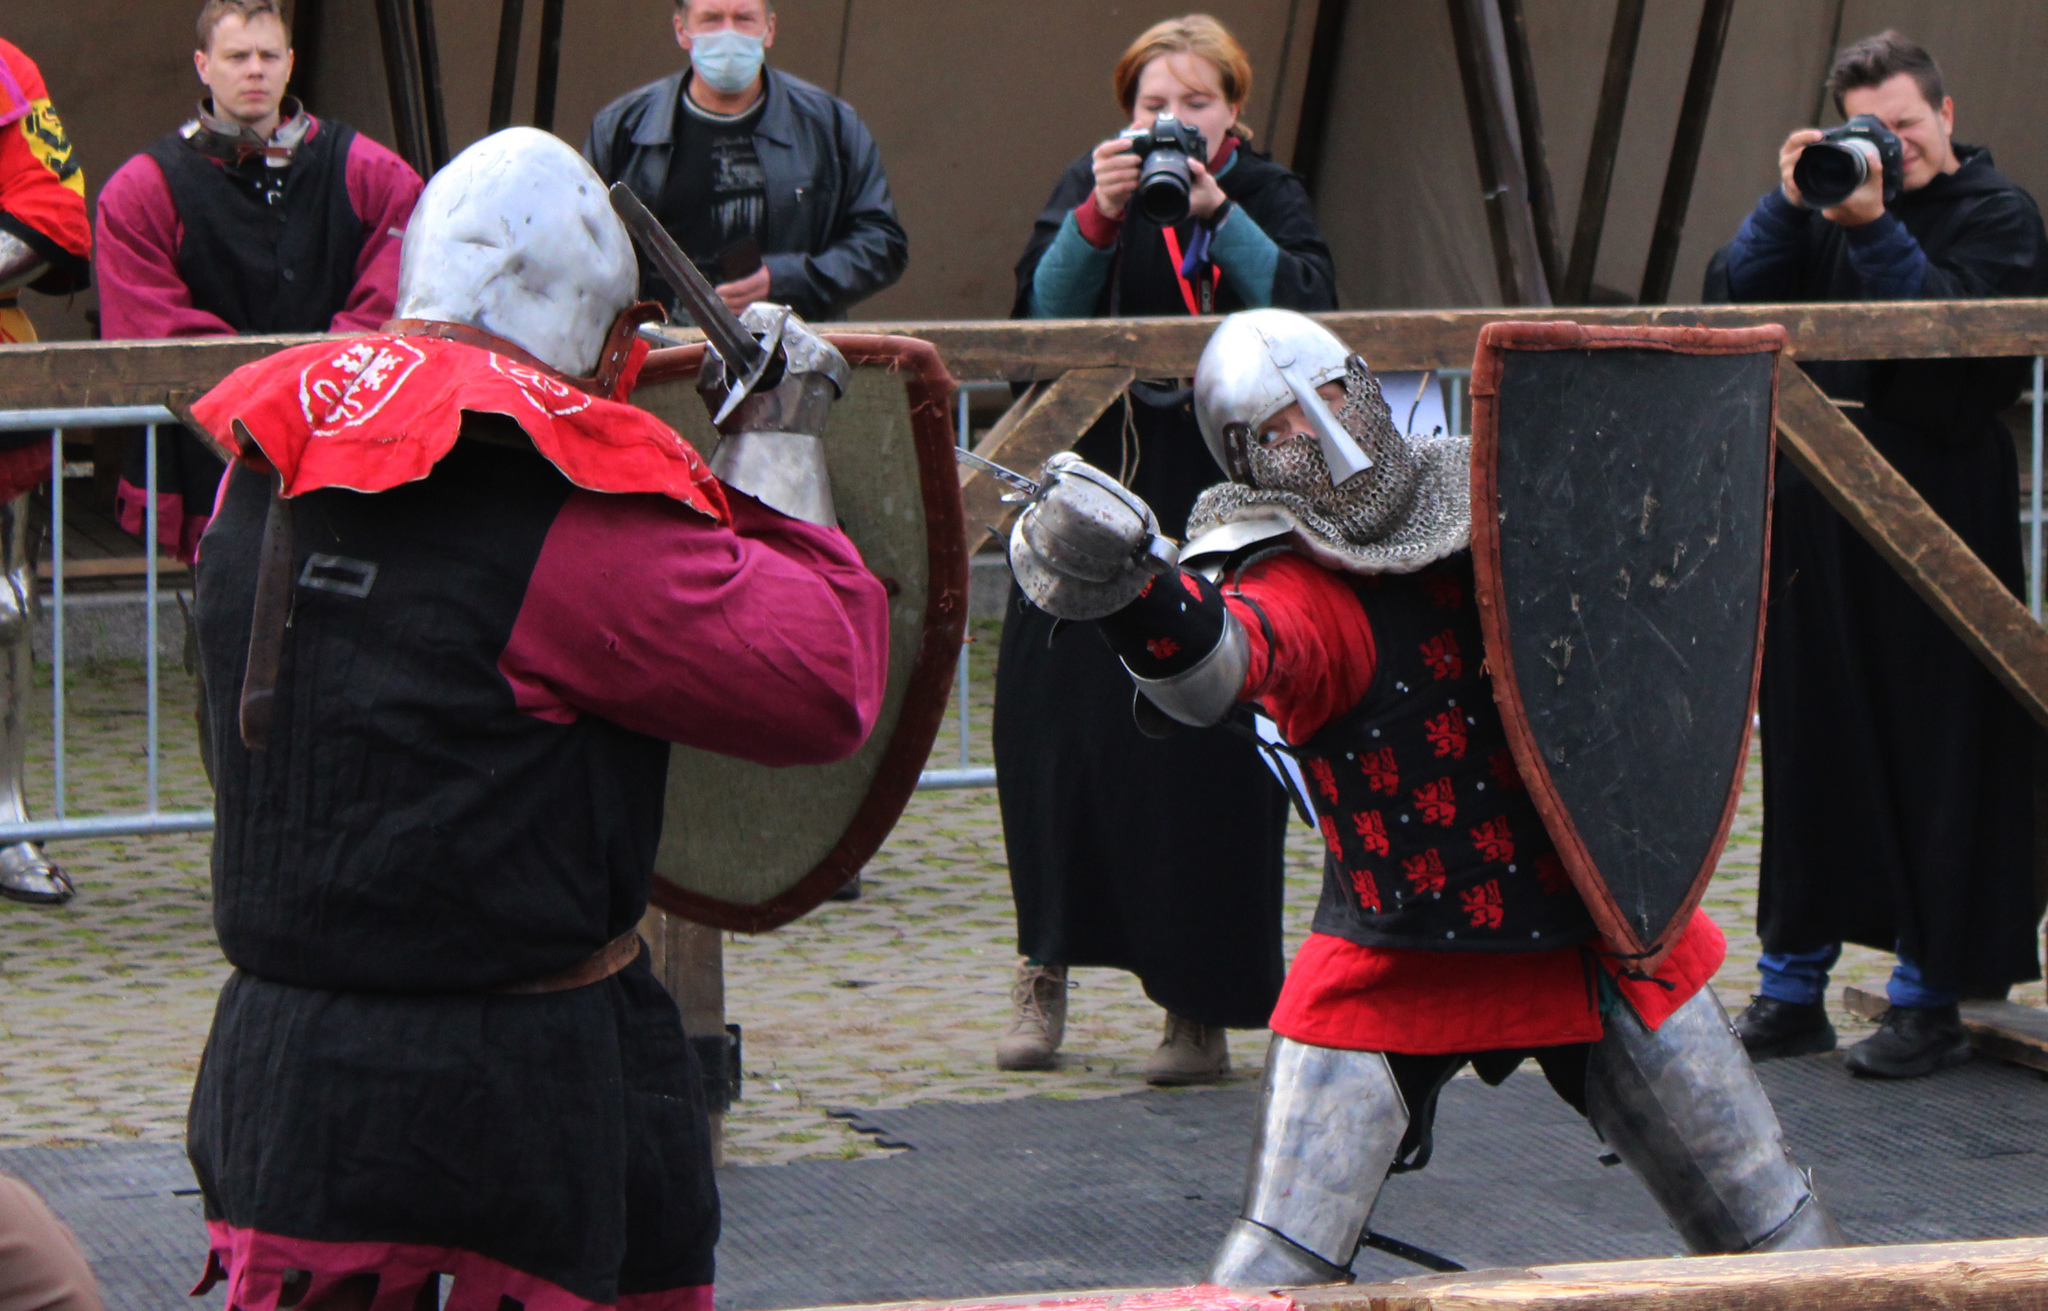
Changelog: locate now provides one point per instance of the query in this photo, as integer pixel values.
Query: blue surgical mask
(727, 60)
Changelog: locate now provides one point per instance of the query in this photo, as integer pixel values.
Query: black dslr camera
(1163, 177)
(1829, 170)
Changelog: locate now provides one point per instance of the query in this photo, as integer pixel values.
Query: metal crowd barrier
(155, 820)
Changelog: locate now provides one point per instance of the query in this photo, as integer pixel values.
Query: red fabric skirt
(1436, 1003)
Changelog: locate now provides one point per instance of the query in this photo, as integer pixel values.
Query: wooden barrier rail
(143, 372)
(2008, 1275)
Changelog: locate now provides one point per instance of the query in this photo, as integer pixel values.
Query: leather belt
(609, 959)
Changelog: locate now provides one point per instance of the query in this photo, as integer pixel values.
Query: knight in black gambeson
(1329, 585)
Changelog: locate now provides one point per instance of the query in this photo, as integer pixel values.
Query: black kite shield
(1621, 493)
(749, 847)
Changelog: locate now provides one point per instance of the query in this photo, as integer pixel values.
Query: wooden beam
(2006, 1275)
(549, 79)
(1044, 425)
(1529, 125)
(1317, 89)
(87, 373)
(1591, 222)
(505, 74)
(120, 566)
(308, 26)
(1685, 150)
(2005, 1030)
(433, 104)
(402, 82)
(1827, 64)
(1994, 1276)
(1881, 505)
(1483, 71)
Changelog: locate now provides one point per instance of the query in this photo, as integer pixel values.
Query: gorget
(1412, 508)
(233, 143)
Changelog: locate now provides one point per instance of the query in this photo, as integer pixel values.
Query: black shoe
(847, 891)
(1771, 1029)
(1910, 1043)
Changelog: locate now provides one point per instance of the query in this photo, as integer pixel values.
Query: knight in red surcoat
(1332, 591)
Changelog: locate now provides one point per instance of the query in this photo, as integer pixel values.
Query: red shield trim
(935, 634)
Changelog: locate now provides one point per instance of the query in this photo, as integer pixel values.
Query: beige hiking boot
(1040, 996)
(1189, 1053)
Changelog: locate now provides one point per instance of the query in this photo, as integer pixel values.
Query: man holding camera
(772, 186)
(1898, 804)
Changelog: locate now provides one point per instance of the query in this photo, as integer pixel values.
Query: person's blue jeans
(1801, 977)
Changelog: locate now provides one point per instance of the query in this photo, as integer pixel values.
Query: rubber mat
(1050, 1194)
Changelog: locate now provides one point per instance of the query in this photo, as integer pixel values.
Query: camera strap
(1198, 296)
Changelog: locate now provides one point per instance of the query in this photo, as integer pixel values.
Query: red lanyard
(1187, 292)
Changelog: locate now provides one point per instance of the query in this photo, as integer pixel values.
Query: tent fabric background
(977, 105)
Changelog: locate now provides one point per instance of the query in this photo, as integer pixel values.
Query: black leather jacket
(831, 237)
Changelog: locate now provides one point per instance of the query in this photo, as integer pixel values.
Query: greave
(1683, 1107)
(1330, 1124)
(25, 875)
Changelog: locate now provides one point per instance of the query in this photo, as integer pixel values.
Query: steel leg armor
(1682, 1106)
(1330, 1124)
(25, 875)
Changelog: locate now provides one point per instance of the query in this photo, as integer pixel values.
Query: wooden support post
(2005, 1030)
(1685, 150)
(549, 79)
(1044, 424)
(689, 959)
(1880, 504)
(1483, 69)
(433, 105)
(402, 81)
(505, 75)
(1600, 155)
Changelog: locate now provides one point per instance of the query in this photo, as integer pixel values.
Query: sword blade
(995, 471)
(694, 294)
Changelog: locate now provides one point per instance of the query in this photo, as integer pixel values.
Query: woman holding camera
(1158, 856)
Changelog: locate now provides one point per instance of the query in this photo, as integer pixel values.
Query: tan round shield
(749, 847)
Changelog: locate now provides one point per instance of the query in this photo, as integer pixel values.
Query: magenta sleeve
(382, 189)
(135, 261)
(768, 640)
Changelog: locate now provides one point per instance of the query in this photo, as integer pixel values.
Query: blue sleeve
(1243, 252)
(1887, 260)
(1069, 279)
(1765, 258)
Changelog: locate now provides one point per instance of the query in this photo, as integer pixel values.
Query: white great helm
(516, 237)
(1259, 362)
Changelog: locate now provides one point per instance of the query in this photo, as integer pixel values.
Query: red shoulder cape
(370, 413)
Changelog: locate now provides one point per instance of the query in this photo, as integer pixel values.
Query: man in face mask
(770, 184)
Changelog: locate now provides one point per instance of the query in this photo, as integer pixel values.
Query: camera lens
(1163, 187)
(1828, 173)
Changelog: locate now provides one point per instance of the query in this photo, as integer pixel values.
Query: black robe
(1162, 857)
(1898, 806)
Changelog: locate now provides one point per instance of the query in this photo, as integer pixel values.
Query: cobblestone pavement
(895, 998)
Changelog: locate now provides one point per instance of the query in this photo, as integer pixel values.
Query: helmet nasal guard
(1257, 363)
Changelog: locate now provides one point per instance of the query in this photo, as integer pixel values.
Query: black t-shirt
(716, 194)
